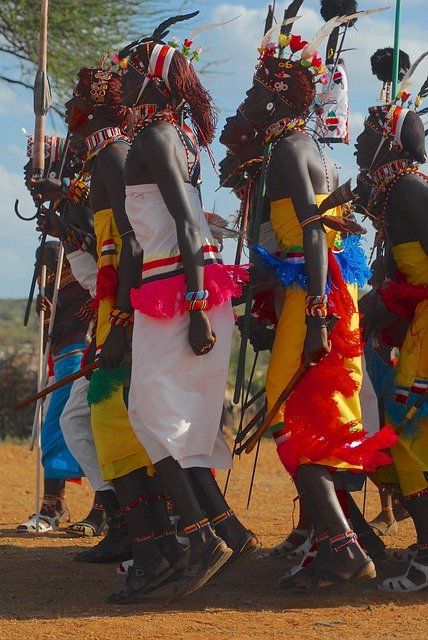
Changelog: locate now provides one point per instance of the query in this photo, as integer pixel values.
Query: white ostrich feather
(406, 81)
(206, 27)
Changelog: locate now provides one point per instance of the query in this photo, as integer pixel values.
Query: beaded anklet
(163, 534)
(321, 538)
(132, 504)
(143, 538)
(191, 528)
(348, 536)
(158, 497)
(49, 502)
(222, 517)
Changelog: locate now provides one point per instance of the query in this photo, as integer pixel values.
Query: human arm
(292, 163)
(108, 191)
(162, 158)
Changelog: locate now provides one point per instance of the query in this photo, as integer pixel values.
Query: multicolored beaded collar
(100, 136)
(276, 130)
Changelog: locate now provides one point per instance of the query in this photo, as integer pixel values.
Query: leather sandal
(366, 571)
(382, 528)
(194, 577)
(150, 582)
(403, 584)
(287, 548)
(85, 529)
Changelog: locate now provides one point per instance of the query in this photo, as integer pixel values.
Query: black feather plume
(331, 8)
(161, 31)
(382, 61)
(290, 12)
(158, 34)
(423, 91)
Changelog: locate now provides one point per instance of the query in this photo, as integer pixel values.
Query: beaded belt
(75, 352)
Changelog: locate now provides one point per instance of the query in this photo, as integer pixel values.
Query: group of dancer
(146, 427)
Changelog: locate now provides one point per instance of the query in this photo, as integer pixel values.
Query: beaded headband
(53, 146)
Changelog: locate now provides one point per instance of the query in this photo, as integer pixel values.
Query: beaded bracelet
(75, 190)
(196, 300)
(316, 306)
(119, 318)
(77, 238)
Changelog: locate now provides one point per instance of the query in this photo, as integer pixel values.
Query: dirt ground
(45, 594)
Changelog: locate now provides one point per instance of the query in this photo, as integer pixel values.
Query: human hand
(46, 189)
(201, 337)
(45, 305)
(50, 223)
(114, 348)
(316, 345)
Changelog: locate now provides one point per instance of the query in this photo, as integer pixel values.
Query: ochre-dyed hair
(109, 105)
(185, 85)
(300, 88)
(412, 135)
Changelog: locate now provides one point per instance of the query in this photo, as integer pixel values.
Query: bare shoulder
(113, 155)
(410, 187)
(157, 135)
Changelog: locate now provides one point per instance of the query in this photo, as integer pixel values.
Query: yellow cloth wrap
(291, 330)
(118, 448)
(410, 455)
(287, 228)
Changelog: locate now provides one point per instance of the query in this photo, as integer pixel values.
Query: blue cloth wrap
(58, 463)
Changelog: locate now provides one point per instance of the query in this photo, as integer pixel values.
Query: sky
(234, 48)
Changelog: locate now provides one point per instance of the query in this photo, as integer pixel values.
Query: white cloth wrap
(84, 269)
(176, 398)
(369, 404)
(76, 428)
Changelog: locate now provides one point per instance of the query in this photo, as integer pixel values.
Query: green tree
(79, 33)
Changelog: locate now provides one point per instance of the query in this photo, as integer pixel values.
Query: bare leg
(208, 552)
(345, 555)
(229, 527)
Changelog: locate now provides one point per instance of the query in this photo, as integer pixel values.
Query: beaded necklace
(384, 177)
(382, 188)
(106, 137)
(278, 129)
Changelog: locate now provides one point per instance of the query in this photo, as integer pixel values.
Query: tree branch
(20, 82)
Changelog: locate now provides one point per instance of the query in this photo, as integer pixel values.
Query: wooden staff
(37, 425)
(57, 385)
(47, 350)
(41, 103)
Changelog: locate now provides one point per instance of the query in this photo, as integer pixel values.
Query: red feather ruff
(264, 307)
(107, 282)
(403, 298)
(313, 430)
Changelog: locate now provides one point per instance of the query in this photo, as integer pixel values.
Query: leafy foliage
(78, 35)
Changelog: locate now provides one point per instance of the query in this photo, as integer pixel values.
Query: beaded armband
(119, 318)
(76, 238)
(196, 300)
(75, 190)
(316, 306)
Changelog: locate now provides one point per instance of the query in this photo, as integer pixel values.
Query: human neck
(386, 170)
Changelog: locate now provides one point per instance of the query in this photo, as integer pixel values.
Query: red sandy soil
(45, 594)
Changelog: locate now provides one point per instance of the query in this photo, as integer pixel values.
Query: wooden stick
(249, 445)
(57, 385)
